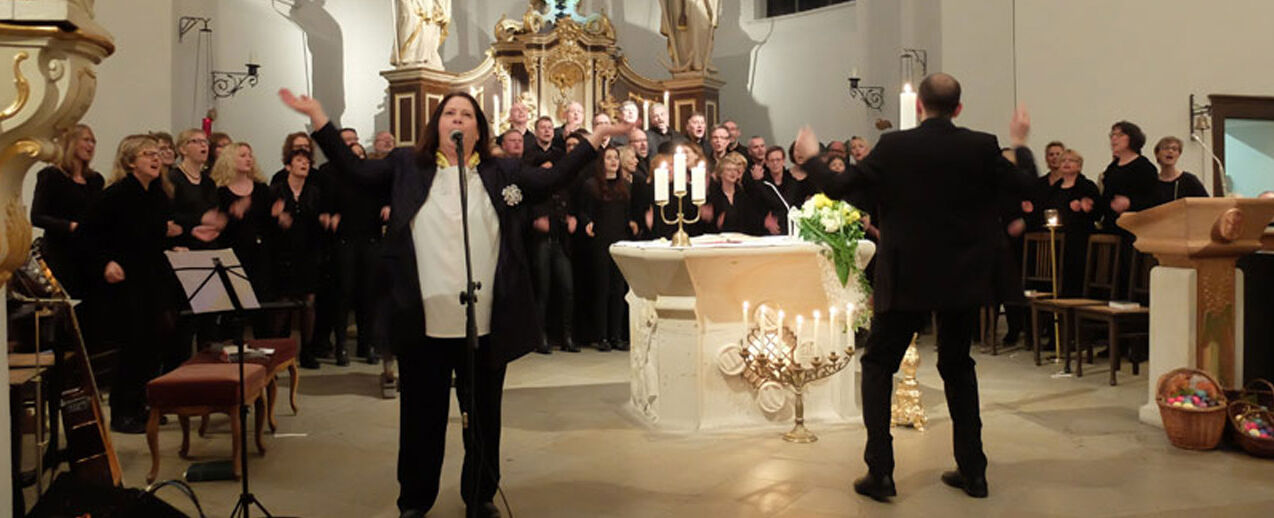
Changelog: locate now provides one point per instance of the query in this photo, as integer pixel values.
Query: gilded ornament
(20, 84)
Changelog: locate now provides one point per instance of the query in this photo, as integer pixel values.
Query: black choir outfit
(248, 235)
(357, 245)
(426, 362)
(296, 265)
(1135, 180)
(607, 206)
(937, 188)
(1185, 185)
(129, 226)
(1077, 226)
(190, 202)
(58, 201)
(736, 212)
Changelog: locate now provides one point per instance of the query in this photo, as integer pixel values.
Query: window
(782, 7)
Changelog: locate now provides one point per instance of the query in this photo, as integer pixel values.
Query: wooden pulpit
(1195, 304)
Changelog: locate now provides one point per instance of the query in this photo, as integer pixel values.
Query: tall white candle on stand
(679, 172)
(495, 101)
(906, 108)
(745, 316)
(645, 114)
(661, 183)
(666, 102)
(831, 326)
(849, 326)
(699, 183)
(816, 315)
(800, 352)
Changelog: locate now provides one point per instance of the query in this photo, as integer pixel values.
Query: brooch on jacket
(512, 195)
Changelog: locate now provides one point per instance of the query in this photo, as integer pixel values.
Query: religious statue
(690, 26)
(422, 27)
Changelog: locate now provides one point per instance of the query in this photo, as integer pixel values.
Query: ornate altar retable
(686, 309)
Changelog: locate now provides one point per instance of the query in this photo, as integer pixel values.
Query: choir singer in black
(941, 239)
(424, 263)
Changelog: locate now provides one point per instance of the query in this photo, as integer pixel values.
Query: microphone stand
(469, 298)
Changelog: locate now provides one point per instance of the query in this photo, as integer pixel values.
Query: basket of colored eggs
(1253, 428)
(1193, 409)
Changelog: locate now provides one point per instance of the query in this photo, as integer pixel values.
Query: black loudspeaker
(69, 497)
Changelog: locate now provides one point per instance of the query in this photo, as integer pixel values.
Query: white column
(1173, 305)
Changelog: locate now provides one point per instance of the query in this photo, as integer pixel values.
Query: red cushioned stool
(202, 389)
(284, 357)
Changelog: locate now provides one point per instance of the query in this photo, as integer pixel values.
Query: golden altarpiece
(547, 61)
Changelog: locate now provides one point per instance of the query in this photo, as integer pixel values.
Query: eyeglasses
(149, 153)
(197, 141)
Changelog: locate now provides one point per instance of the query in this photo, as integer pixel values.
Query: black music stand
(233, 294)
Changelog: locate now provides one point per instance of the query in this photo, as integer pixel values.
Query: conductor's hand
(305, 105)
(1020, 126)
(114, 273)
(602, 134)
(806, 143)
(588, 229)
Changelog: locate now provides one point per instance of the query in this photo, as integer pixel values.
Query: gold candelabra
(769, 354)
(908, 410)
(681, 238)
(1053, 222)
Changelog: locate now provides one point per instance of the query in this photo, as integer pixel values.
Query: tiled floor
(1057, 446)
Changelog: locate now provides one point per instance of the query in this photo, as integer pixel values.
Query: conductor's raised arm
(328, 138)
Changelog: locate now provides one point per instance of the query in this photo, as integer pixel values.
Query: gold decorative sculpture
(908, 410)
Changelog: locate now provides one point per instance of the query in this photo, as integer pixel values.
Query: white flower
(830, 224)
(512, 195)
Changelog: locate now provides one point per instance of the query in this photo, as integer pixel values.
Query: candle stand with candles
(698, 194)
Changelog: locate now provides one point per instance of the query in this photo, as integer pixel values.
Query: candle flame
(906, 88)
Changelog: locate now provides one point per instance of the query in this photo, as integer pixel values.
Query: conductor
(941, 244)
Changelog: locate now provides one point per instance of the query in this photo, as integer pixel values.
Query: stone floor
(1057, 446)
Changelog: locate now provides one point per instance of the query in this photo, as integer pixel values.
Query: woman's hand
(650, 218)
(384, 213)
(541, 224)
(632, 226)
(74, 225)
(214, 219)
(1086, 204)
(1027, 206)
(772, 224)
(240, 207)
(758, 171)
(114, 273)
(173, 230)
(205, 233)
(285, 220)
(305, 105)
(588, 229)
(1074, 206)
(1016, 227)
(602, 134)
(277, 208)
(1120, 203)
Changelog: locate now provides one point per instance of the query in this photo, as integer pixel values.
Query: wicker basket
(1257, 446)
(1257, 391)
(1191, 428)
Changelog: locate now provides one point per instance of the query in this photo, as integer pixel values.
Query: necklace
(194, 179)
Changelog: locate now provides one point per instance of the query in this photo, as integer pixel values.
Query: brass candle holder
(907, 408)
(1053, 222)
(681, 238)
(769, 354)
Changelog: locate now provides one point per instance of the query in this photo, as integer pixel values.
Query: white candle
(495, 100)
(666, 102)
(699, 183)
(831, 326)
(853, 72)
(906, 108)
(745, 316)
(679, 172)
(761, 322)
(645, 114)
(849, 326)
(661, 183)
(780, 326)
(800, 324)
(815, 345)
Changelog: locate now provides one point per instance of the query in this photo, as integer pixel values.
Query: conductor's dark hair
(431, 140)
(1136, 137)
(940, 94)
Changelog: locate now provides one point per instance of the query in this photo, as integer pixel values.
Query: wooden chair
(1122, 323)
(1101, 279)
(1037, 275)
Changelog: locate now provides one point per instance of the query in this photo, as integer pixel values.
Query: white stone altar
(685, 304)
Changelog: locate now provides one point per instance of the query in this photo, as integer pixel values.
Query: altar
(686, 309)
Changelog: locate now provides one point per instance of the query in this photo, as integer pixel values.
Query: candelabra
(681, 238)
(769, 354)
(908, 410)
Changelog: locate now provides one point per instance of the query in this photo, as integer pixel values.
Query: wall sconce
(872, 96)
(226, 84)
(186, 23)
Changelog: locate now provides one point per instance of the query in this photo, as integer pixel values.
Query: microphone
(458, 137)
(1225, 178)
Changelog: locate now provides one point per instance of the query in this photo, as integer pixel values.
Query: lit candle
(849, 325)
(645, 114)
(745, 316)
(815, 346)
(780, 326)
(699, 183)
(831, 326)
(761, 319)
(679, 172)
(906, 108)
(853, 72)
(666, 101)
(800, 324)
(661, 183)
(1051, 219)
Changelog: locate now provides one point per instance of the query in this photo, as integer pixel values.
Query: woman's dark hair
(430, 141)
(291, 155)
(1136, 138)
(287, 145)
(834, 158)
(604, 190)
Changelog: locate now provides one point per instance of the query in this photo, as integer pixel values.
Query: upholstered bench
(202, 389)
(284, 357)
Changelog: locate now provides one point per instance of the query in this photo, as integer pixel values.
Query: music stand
(230, 293)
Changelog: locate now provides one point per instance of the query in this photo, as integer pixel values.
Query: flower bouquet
(837, 225)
